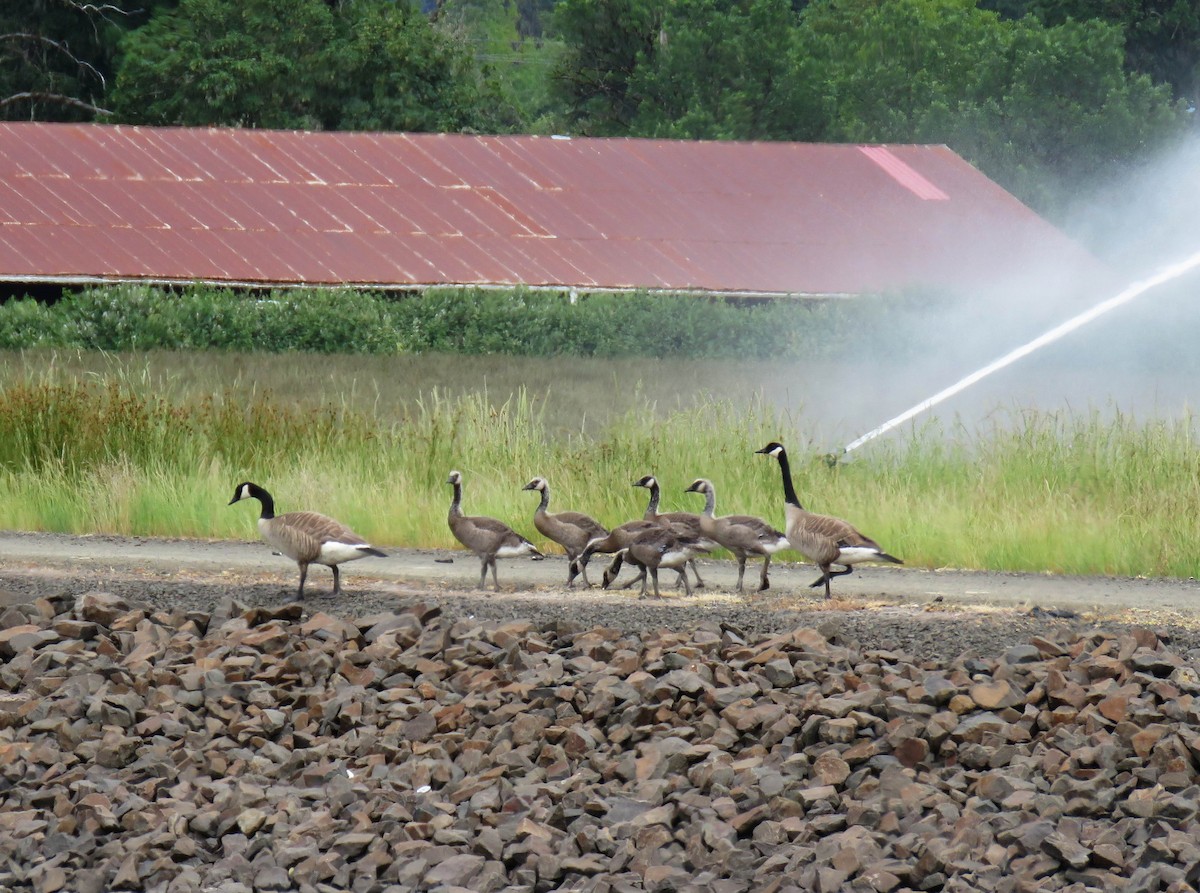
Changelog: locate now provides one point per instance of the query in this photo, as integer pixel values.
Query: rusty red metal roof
(82, 203)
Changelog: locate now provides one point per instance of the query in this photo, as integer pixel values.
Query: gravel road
(933, 614)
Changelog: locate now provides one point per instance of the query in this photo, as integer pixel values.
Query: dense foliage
(357, 66)
(450, 320)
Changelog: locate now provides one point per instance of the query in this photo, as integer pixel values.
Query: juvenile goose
(571, 530)
(489, 538)
(652, 550)
(685, 523)
(743, 535)
(306, 537)
(612, 542)
(823, 540)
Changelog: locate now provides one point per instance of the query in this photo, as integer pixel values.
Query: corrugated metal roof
(92, 202)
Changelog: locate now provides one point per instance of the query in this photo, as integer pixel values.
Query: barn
(86, 203)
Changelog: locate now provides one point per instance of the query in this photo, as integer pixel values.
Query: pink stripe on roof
(903, 174)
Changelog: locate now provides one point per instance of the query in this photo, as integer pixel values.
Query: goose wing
(748, 533)
(321, 528)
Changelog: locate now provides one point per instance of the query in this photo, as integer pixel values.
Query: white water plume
(1135, 290)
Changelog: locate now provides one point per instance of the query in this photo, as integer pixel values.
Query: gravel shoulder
(931, 613)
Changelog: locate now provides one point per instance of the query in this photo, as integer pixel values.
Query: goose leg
(303, 574)
(640, 578)
(654, 575)
(583, 573)
(337, 583)
(483, 566)
(695, 570)
(741, 571)
(495, 580)
(827, 575)
(687, 590)
(763, 582)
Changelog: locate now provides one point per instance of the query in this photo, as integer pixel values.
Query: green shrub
(518, 321)
(25, 322)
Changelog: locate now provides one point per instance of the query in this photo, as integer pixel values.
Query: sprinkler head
(834, 459)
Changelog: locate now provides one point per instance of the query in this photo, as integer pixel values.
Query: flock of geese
(657, 540)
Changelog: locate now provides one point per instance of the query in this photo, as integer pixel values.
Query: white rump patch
(855, 554)
(335, 552)
(515, 551)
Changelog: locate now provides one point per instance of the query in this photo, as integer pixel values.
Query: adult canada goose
(683, 523)
(743, 535)
(306, 537)
(571, 530)
(823, 540)
(489, 538)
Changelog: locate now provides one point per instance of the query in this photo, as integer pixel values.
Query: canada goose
(823, 540)
(571, 530)
(685, 523)
(489, 538)
(306, 537)
(612, 542)
(743, 535)
(653, 549)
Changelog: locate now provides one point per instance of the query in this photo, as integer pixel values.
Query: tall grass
(1054, 492)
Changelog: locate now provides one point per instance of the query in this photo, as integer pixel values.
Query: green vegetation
(446, 320)
(1058, 494)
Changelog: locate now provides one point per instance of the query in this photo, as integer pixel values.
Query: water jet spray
(1138, 288)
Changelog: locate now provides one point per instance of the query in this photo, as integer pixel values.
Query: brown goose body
(610, 543)
(306, 537)
(743, 535)
(822, 539)
(571, 530)
(657, 548)
(686, 524)
(488, 538)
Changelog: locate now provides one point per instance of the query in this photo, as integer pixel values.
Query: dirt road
(931, 613)
(412, 569)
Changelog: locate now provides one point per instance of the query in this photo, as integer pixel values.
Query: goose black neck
(544, 505)
(456, 502)
(789, 492)
(652, 508)
(265, 499)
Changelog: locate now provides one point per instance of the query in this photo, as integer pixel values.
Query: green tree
(391, 70)
(604, 43)
(1043, 110)
(303, 64)
(710, 69)
(1162, 37)
(728, 70)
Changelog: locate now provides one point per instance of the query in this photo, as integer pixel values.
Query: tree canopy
(303, 64)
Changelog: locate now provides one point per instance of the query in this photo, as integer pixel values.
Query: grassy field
(154, 446)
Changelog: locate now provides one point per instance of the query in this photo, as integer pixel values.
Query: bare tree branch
(19, 36)
(60, 99)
